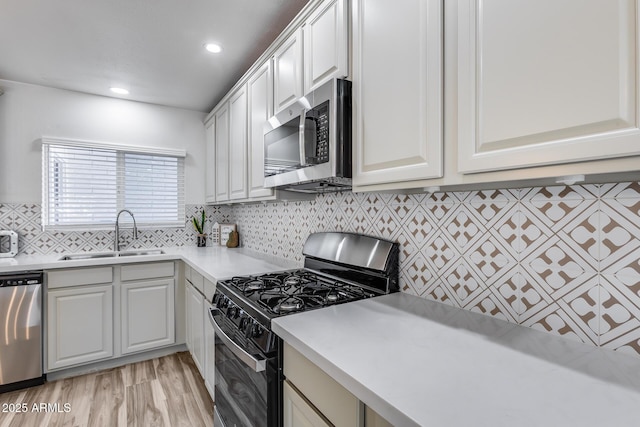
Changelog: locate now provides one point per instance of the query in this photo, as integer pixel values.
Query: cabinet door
(210, 166)
(80, 325)
(372, 419)
(187, 309)
(222, 154)
(196, 304)
(546, 82)
(325, 44)
(397, 89)
(260, 92)
(148, 315)
(238, 144)
(297, 412)
(209, 351)
(287, 70)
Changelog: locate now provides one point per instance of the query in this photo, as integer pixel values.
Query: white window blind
(87, 184)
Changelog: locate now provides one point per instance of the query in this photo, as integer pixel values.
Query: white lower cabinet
(80, 325)
(209, 351)
(297, 412)
(148, 314)
(328, 398)
(312, 398)
(200, 336)
(195, 320)
(372, 419)
(105, 312)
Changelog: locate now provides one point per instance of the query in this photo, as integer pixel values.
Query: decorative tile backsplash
(565, 260)
(26, 220)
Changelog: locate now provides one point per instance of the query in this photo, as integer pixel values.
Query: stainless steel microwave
(307, 146)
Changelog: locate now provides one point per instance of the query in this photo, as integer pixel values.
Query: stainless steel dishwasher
(20, 330)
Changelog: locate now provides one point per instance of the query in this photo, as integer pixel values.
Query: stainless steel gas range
(338, 268)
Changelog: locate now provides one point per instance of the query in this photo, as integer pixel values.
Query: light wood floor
(167, 391)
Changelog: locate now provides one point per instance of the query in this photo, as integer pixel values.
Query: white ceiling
(154, 48)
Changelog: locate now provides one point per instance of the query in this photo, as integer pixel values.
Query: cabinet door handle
(255, 364)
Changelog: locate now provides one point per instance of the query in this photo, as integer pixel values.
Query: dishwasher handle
(249, 360)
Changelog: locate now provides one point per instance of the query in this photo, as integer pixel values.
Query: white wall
(29, 112)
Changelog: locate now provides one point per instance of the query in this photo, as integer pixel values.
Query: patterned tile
(439, 291)
(619, 310)
(465, 284)
(440, 206)
(417, 274)
(619, 235)
(562, 259)
(440, 253)
(463, 229)
(574, 316)
(490, 303)
(418, 226)
(26, 219)
(557, 269)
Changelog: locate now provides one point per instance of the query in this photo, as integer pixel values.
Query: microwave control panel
(321, 115)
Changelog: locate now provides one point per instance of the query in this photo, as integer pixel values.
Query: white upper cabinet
(546, 82)
(260, 108)
(210, 179)
(222, 153)
(287, 67)
(237, 165)
(397, 91)
(326, 44)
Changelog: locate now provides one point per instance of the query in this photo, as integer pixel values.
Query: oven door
(246, 388)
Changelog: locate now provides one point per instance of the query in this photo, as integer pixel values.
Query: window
(86, 184)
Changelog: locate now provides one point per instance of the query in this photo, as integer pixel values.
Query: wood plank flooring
(166, 391)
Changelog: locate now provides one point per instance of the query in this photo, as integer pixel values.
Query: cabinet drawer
(209, 289)
(79, 276)
(187, 271)
(335, 402)
(147, 271)
(197, 280)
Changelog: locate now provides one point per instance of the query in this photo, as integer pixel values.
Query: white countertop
(215, 262)
(421, 363)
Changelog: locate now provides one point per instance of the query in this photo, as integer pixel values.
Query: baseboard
(114, 363)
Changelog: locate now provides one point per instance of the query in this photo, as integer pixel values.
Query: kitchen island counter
(421, 363)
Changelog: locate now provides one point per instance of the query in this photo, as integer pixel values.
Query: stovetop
(277, 294)
(251, 302)
(294, 291)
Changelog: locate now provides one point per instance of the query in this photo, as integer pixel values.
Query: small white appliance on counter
(12, 246)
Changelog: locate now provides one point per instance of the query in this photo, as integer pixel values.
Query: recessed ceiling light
(119, 91)
(213, 48)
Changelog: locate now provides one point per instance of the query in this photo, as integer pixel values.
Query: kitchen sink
(89, 255)
(142, 252)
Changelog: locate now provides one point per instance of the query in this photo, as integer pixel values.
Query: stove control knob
(248, 329)
(244, 322)
(223, 302)
(235, 312)
(253, 330)
(257, 331)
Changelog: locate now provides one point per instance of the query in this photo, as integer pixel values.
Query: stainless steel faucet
(116, 243)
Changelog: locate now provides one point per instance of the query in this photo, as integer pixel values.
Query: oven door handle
(249, 360)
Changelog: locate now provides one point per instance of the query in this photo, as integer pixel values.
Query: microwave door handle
(301, 136)
(247, 359)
